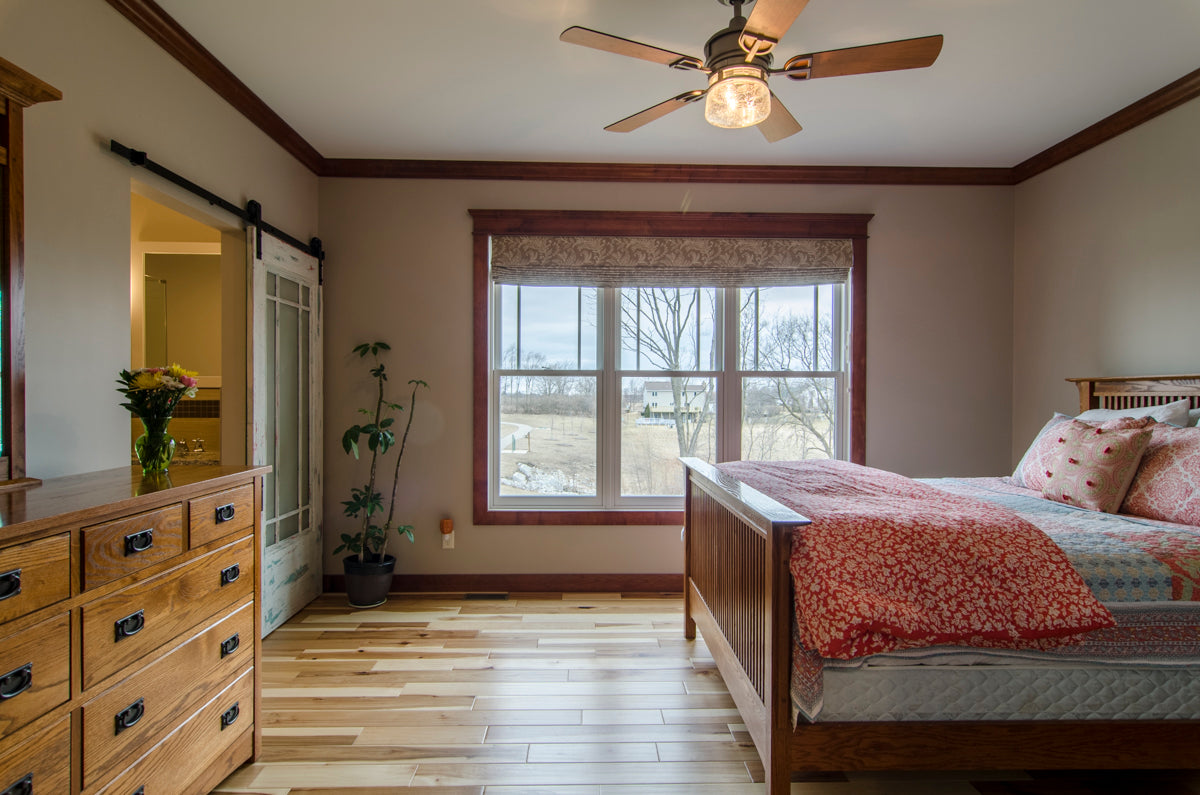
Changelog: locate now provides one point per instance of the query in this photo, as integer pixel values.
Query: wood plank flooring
(571, 694)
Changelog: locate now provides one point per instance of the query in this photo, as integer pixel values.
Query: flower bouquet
(152, 394)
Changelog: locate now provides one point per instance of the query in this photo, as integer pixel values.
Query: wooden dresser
(129, 631)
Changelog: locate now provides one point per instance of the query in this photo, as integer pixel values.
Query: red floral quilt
(889, 563)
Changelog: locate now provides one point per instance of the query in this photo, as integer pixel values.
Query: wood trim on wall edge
(523, 583)
(152, 20)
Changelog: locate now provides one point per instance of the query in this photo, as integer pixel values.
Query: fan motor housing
(723, 49)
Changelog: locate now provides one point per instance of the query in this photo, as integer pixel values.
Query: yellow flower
(144, 380)
(178, 373)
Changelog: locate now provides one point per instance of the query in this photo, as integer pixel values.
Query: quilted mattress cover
(1147, 667)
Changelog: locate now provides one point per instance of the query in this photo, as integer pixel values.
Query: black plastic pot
(368, 582)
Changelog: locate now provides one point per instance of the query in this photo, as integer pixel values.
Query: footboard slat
(729, 571)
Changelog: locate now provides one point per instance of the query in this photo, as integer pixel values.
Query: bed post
(778, 598)
(689, 623)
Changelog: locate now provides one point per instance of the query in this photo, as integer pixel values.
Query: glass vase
(155, 447)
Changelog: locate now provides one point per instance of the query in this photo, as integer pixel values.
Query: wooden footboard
(738, 592)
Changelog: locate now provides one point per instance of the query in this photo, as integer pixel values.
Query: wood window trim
(18, 90)
(666, 224)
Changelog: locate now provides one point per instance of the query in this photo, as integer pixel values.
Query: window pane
(547, 435)
(547, 327)
(662, 419)
(789, 418)
(786, 328)
(668, 328)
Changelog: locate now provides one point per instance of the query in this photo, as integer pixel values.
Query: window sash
(728, 382)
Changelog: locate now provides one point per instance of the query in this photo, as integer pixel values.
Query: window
(603, 353)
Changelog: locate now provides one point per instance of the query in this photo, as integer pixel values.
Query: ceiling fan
(737, 60)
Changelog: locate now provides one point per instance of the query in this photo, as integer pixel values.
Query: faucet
(198, 445)
(182, 447)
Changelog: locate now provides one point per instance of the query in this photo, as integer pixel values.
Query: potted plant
(369, 568)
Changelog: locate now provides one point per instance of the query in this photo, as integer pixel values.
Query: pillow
(1175, 413)
(1167, 485)
(1193, 416)
(1093, 465)
(1031, 469)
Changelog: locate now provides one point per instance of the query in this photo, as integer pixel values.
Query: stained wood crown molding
(152, 20)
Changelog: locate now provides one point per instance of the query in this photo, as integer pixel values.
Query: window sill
(484, 516)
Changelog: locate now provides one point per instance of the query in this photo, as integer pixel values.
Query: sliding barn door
(285, 410)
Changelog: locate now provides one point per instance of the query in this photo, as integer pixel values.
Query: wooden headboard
(1126, 392)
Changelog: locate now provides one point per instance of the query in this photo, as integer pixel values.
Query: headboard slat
(1126, 392)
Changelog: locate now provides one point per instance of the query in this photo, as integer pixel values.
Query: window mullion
(608, 409)
(729, 385)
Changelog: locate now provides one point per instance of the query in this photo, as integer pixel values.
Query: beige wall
(399, 269)
(1107, 267)
(116, 84)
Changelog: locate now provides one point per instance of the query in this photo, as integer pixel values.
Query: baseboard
(524, 583)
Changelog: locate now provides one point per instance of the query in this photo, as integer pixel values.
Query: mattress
(1148, 667)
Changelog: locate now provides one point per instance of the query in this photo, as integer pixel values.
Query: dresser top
(80, 499)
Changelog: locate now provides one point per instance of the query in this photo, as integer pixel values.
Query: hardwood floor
(572, 694)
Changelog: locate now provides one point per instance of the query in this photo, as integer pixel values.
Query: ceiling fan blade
(630, 123)
(780, 124)
(768, 21)
(886, 57)
(634, 49)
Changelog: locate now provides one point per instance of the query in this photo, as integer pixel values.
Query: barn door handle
(230, 716)
(10, 586)
(130, 625)
(230, 574)
(230, 645)
(129, 716)
(139, 542)
(16, 682)
(225, 513)
(22, 786)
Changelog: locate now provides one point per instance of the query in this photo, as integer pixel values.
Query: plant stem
(374, 459)
(412, 409)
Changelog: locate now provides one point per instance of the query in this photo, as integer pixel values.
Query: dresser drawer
(212, 743)
(220, 514)
(114, 549)
(34, 575)
(121, 628)
(124, 720)
(34, 672)
(40, 765)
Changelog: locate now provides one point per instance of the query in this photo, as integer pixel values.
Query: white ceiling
(489, 79)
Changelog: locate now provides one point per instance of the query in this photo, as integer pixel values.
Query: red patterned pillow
(1167, 484)
(1031, 470)
(1094, 464)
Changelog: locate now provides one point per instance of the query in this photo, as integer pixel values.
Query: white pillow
(1174, 413)
(1194, 417)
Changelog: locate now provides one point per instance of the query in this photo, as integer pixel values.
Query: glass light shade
(737, 97)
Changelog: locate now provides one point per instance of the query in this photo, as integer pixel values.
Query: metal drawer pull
(230, 574)
(10, 586)
(225, 513)
(230, 645)
(130, 625)
(139, 542)
(230, 716)
(16, 682)
(129, 716)
(139, 791)
(22, 786)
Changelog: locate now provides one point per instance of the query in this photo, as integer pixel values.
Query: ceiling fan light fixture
(737, 96)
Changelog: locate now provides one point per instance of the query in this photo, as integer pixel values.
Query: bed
(739, 594)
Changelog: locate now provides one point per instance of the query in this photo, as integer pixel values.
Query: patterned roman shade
(625, 261)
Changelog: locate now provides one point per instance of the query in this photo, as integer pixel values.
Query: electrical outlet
(448, 540)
